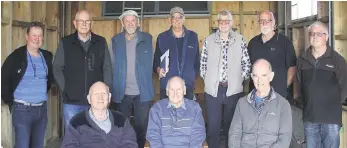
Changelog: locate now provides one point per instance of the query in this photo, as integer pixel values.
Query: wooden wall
(244, 21)
(14, 17)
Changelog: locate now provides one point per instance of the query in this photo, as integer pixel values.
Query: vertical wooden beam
(241, 18)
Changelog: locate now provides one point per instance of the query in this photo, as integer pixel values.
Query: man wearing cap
(82, 58)
(133, 84)
(183, 47)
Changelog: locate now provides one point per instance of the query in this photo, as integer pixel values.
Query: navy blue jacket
(143, 66)
(190, 64)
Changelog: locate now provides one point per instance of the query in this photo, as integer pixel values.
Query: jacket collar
(170, 31)
(271, 96)
(92, 37)
(232, 37)
(139, 36)
(308, 53)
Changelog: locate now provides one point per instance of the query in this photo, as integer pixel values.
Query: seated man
(99, 127)
(176, 122)
(263, 118)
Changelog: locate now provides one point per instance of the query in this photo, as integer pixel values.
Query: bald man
(277, 49)
(99, 127)
(79, 63)
(263, 118)
(176, 122)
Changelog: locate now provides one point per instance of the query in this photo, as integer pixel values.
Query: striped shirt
(33, 86)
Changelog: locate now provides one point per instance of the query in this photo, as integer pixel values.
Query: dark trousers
(215, 107)
(189, 94)
(29, 124)
(141, 112)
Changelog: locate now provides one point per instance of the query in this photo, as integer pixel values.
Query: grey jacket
(235, 68)
(272, 128)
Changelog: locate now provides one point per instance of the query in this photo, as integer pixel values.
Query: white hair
(225, 12)
(318, 23)
(180, 79)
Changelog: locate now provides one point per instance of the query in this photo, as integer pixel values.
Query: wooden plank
(256, 6)
(22, 11)
(18, 37)
(322, 9)
(203, 30)
(341, 37)
(52, 13)
(107, 29)
(298, 40)
(6, 10)
(52, 41)
(236, 22)
(273, 7)
(251, 27)
(218, 6)
(38, 11)
(157, 26)
(94, 7)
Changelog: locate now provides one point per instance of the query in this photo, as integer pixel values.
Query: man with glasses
(176, 122)
(26, 76)
(183, 48)
(133, 84)
(81, 59)
(322, 84)
(224, 66)
(275, 48)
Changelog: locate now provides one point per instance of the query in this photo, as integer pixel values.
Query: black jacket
(13, 69)
(322, 84)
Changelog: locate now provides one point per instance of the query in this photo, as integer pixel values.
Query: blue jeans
(29, 124)
(141, 112)
(70, 111)
(322, 135)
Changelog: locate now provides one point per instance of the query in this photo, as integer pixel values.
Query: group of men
(87, 72)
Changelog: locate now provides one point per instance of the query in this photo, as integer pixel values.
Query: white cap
(127, 13)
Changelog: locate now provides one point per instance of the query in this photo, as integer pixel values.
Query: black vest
(82, 69)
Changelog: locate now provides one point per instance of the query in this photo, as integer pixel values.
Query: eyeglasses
(264, 21)
(102, 95)
(177, 17)
(34, 67)
(226, 22)
(82, 22)
(319, 34)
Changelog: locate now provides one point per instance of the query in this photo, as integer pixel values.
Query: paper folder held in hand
(164, 61)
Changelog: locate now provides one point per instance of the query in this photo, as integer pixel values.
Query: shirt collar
(182, 106)
(184, 32)
(89, 37)
(93, 117)
(271, 96)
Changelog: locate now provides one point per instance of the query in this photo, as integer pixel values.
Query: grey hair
(225, 12)
(272, 17)
(176, 77)
(319, 23)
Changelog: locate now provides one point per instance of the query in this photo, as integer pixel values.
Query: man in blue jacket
(183, 47)
(133, 84)
(99, 127)
(176, 122)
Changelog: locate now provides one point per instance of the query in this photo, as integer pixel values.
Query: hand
(161, 72)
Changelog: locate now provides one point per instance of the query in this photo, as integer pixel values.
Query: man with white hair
(176, 122)
(132, 79)
(82, 59)
(322, 85)
(99, 127)
(183, 48)
(275, 48)
(224, 66)
(263, 118)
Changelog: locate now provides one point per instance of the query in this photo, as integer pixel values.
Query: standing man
(322, 81)
(26, 76)
(263, 118)
(224, 66)
(183, 46)
(132, 83)
(275, 48)
(81, 59)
